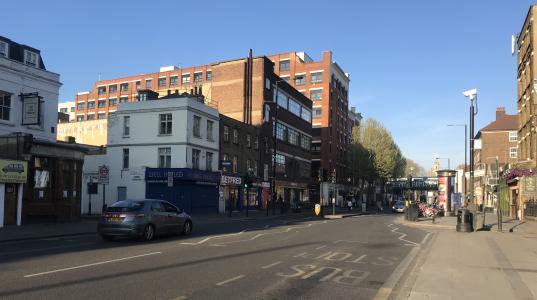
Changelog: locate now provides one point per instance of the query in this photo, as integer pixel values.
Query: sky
(409, 61)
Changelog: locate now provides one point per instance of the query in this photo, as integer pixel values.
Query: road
(299, 258)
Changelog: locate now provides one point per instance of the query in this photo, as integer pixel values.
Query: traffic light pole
(334, 194)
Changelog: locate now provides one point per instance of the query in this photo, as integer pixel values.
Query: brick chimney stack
(500, 112)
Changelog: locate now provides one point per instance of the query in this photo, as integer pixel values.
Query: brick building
(497, 139)
(327, 85)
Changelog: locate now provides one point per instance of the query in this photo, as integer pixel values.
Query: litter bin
(465, 221)
(413, 212)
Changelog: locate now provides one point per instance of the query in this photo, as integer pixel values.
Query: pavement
(476, 265)
(289, 257)
(88, 224)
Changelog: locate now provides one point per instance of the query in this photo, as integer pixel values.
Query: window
(316, 77)
(293, 136)
(138, 85)
(282, 100)
(112, 88)
(165, 124)
(101, 103)
(173, 80)
(196, 130)
(317, 112)
(5, 107)
(280, 132)
(248, 141)
(91, 104)
(124, 87)
(235, 164)
(101, 90)
(300, 80)
(123, 99)
(256, 143)
(164, 157)
(210, 125)
(209, 75)
(195, 158)
(226, 134)
(198, 76)
(72, 109)
(185, 78)
(286, 78)
(513, 136)
(148, 83)
(235, 136)
(316, 95)
(79, 118)
(294, 107)
(209, 161)
(3, 49)
(305, 142)
(280, 163)
(305, 114)
(255, 167)
(126, 125)
(157, 207)
(63, 110)
(513, 152)
(285, 65)
(248, 165)
(112, 102)
(101, 116)
(91, 117)
(162, 82)
(30, 58)
(80, 105)
(125, 158)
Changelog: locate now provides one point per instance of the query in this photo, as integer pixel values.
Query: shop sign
(530, 185)
(265, 184)
(161, 175)
(226, 163)
(230, 180)
(13, 171)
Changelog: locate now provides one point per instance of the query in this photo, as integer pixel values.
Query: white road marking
(271, 265)
(288, 229)
(402, 236)
(386, 289)
(180, 298)
(91, 265)
(230, 280)
(320, 247)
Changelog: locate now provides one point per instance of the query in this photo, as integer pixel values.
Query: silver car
(143, 219)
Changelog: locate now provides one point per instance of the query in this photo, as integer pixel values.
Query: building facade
(497, 140)
(164, 149)
(40, 179)
(327, 85)
(67, 108)
(94, 132)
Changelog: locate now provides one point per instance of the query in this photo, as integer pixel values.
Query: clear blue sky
(409, 60)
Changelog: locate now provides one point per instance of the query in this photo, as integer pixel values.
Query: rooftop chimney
(500, 112)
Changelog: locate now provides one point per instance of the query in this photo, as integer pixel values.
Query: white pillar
(19, 204)
(2, 196)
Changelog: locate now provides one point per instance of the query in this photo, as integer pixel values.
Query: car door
(159, 217)
(173, 218)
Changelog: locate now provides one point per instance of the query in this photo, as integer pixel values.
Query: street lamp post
(465, 152)
(472, 95)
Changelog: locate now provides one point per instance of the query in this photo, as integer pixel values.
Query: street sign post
(104, 172)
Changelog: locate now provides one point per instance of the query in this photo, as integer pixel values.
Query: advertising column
(445, 189)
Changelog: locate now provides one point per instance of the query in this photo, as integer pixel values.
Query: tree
(414, 168)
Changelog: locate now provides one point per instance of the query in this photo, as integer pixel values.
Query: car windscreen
(126, 206)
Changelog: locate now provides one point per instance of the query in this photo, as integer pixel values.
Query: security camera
(470, 93)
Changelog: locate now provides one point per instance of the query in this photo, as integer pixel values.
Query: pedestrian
(280, 202)
(349, 205)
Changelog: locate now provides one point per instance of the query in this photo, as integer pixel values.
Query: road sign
(104, 174)
(317, 209)
(226, 163)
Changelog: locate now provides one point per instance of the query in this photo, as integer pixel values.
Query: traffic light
(247, 181)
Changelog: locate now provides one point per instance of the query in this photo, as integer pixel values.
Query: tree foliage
(414, 168)
(374, 154)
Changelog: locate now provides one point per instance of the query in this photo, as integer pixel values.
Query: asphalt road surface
(283, 258)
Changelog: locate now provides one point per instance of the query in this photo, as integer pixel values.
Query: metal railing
(531, 208)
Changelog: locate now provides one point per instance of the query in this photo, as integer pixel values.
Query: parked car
(143, 219)
(398, 207)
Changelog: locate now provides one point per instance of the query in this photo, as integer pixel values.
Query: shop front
(195, 191)
(13, 176)
(230, 192)
(292, 193)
